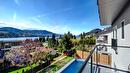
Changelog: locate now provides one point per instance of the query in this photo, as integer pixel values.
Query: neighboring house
(116, 13)
(104, 37)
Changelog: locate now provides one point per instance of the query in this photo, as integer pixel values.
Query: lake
(17, 39)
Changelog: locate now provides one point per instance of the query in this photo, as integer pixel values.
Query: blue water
(17, 39)
(74, 67)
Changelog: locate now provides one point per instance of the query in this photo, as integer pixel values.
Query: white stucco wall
(122, 59)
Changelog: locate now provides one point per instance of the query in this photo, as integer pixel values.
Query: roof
(109, 10)
(105, 31)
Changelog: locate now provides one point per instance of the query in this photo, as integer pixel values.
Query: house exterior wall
(122, 59)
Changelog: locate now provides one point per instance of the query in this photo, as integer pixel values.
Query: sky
(58, 16)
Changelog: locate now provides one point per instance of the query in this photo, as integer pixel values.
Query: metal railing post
(96, 59)
(91, 64)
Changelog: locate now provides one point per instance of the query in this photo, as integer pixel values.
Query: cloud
(57, 28)
(59, 11)
(36, 20)
(54, 12)
(19, 25)
(1, 22)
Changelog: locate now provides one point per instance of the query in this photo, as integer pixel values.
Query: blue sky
(59, 16)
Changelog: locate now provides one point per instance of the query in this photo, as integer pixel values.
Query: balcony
(93, 65)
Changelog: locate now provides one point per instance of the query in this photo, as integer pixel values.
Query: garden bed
(24, 68)
(56, 66)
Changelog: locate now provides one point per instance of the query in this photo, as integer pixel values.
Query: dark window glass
(122, 24)
(113, 33)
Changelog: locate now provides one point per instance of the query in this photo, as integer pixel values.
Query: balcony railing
(93, 66)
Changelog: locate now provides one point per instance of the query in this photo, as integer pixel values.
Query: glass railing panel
(87, 68)
(90, 63)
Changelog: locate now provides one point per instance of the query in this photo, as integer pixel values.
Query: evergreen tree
(52, 41)
(74, 37)
(70, 35)
(42, 39)
(81, 36)
(66, 42)
(84, 34)
(47, 38)
(60, 37)
(57, 42)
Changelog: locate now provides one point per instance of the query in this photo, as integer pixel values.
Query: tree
(60, 37)
(52, 41)
(81, 36)
(53, 36)
(60, 48)
(70, 35)
(42, 39)
(50, 57)
(66, 42)
(74, 37)
(57, 42)
(1, 44)
(47, 38)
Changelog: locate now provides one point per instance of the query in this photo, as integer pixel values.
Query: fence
(103, 58)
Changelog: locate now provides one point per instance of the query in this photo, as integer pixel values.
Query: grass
(55, 67)
(24, 68)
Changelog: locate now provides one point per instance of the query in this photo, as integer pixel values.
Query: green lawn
(55, 67)
(25, 69)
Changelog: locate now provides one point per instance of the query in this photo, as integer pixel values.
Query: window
(115, 32)
(122, 28)
(105, 39)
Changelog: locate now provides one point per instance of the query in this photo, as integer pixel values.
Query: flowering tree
(29, 52)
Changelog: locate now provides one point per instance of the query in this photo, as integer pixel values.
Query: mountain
(94, 31)
(91, 32)
(39, 32)
(13, 32)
